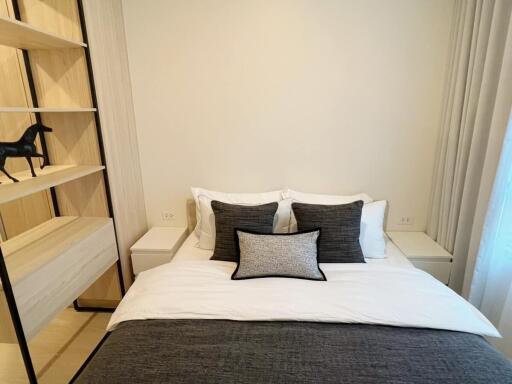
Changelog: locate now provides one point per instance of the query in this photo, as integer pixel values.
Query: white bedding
(383, 291)
(189, 251)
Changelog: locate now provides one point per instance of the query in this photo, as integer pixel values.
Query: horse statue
(24, 147)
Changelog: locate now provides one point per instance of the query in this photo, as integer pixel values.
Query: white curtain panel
(491, 286)
(505, 328)
(474, 76)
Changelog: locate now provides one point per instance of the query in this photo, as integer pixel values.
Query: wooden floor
(57, 351)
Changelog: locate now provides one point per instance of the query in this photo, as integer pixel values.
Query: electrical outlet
(167, 216)
(406, 220)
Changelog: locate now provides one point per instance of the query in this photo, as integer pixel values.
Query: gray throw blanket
(223, 351)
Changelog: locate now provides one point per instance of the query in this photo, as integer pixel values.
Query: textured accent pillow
(340, 226)
(207, 232)
(372, 239)
(292, 255)
(315, 198)
(259, 218)
(203, 212)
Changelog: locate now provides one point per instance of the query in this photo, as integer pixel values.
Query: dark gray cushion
(292, 255)
(259, 218)
(340, 226)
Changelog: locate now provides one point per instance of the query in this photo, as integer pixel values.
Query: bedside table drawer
(440, 270)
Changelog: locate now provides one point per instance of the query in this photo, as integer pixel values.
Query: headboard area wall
(319, 96)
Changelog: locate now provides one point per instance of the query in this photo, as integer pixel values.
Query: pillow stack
(350, 227)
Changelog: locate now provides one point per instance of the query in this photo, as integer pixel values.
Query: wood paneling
(74, 139)
(60, 78)
(54, 16)
(107, 45)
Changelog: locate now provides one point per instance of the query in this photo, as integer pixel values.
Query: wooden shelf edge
(18, 34)
(33, 248)
(45, 110)
(48, 177)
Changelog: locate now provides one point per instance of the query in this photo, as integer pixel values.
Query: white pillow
(313, 198)
(372, 240)
(205, 228)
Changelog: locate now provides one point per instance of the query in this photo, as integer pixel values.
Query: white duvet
(372, 293)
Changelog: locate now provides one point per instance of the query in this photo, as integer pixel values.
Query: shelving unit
(45, 269)
(17, 34)
(44, 110)
(50, 176)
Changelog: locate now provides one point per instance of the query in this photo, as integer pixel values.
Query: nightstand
(156, 247)
(424, 253)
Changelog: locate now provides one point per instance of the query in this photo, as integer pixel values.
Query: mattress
(387, 291)
(380, 322)
(190, 251)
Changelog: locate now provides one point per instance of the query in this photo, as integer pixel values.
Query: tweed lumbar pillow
(292, 255)
(340, 226)
(258, 218)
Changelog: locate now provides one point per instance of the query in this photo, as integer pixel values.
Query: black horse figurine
(24, 147)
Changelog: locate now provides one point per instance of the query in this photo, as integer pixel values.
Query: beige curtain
(502, 116)
(479, 39)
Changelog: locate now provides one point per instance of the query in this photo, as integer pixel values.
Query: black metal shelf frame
(4, 275)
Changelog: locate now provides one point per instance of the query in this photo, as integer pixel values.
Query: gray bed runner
(218, 351)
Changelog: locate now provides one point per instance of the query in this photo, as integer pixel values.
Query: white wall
(331, 96)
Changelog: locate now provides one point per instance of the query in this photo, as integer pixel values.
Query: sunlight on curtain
(491, 289)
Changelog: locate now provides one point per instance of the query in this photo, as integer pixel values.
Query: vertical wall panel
(105, 29)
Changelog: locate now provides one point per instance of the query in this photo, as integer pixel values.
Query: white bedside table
(156, 247)
(424, 253)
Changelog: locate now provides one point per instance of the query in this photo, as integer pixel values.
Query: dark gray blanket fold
(218, 351)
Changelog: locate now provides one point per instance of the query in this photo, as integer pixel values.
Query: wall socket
(167, 216)
(406, 220)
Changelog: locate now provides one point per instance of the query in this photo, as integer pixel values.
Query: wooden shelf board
(53, 263)
(45, 110)
(17, 34)
(48, 177)
(36, 247)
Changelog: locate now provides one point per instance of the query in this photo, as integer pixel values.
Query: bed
(380, 322)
